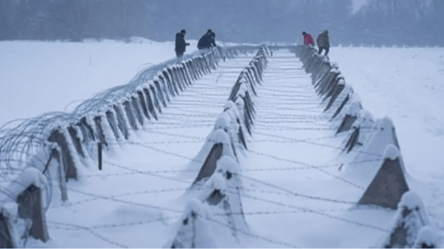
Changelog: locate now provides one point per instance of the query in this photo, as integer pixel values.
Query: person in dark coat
(180, 43)
(323, 42)
(207, 41)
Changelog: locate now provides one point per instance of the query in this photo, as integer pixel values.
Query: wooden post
(99, 151)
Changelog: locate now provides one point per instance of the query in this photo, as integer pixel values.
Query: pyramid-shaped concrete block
(193, 228)
(407, 223)
(389, 184)
(428, 238)
(220, 143)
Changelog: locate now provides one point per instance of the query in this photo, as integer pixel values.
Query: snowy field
(406, 84)
(120, 206)
(38, 77)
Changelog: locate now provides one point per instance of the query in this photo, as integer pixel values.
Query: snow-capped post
(407, 223)
(389, 183)
(99, 156)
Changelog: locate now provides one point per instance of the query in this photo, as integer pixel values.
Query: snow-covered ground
(406, 84)
(39, 77)
(120, 206)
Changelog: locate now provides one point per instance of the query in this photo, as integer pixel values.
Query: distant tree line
(379, 22)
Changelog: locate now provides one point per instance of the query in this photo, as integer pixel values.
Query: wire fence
(168, 125)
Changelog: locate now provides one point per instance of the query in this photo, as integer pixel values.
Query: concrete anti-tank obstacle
(346, 124)
(231, 109)
(364, 122)
(150, 103)
(143, 104)
(193, 228)
(67, 160)
(350, 104)
(121, 121)
(26, 191)
(100, 133)
(87, 129)
(406, 224)
(7, 240)
(209, 165)
(389, 183)
(72, 131)
(130, 115)
(335, 94)
(221, 146)
(428, 238)
(170, 77)
(157, 91)
(154, 99)
(137, 110)
(112, 123)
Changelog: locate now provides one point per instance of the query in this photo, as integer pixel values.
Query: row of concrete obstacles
(217, 208)
(371, 140)
(71, 147)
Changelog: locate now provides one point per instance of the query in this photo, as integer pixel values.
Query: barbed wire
(265, 120)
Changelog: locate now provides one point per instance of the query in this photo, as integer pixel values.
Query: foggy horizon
(369, 22)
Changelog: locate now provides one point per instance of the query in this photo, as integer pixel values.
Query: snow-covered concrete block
(69, 163)
(389, 184)
(8, 234)
(194, 228)
(428, 238)
(122, 122)
(26, 191)
(406, 224)
(112, 122)
(143, 104)
(220, 144)
(130, 115)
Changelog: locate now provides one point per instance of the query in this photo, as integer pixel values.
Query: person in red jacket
(308, 40)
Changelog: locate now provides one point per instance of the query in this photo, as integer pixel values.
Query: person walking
(323, 42)
(180, 43)
(207, 41)
(308, 39)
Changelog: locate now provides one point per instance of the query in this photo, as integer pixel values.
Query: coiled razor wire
(21, 143)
